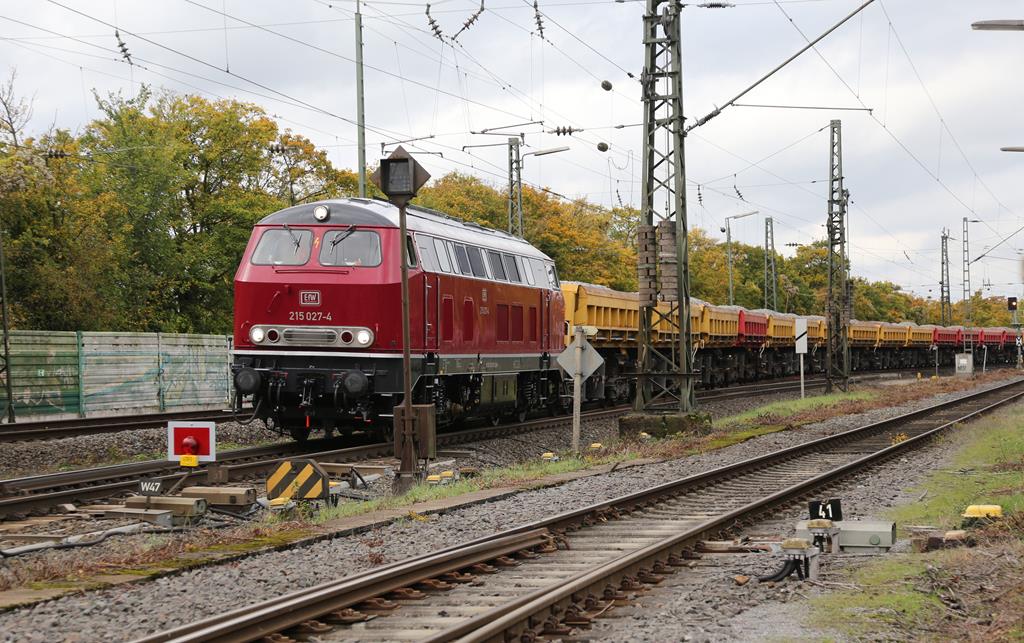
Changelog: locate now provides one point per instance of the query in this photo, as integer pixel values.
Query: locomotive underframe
(300, 393)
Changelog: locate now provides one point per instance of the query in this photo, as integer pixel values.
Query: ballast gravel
(32, 458)
(128, 612)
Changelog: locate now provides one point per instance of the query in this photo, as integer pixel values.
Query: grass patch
(789, 408)
(888, 599)
(515, 475)
(988, 469)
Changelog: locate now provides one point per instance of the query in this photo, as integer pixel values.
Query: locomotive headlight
(257, 335)
(320, 213)
(364, 337)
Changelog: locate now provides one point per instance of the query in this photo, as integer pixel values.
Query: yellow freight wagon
(920, 336)
(864, 334)
(817, 331)
(719, 326)
(893, 335)
(781, 328)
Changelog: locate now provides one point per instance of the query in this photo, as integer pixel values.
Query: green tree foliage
(140, 223)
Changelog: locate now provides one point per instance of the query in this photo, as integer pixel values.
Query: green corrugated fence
(90, 374)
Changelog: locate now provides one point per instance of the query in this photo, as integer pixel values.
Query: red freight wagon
(318, 318)
(945, 336)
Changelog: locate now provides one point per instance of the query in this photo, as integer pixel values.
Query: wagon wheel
(521, 415)
(494, 420)
(299, 434)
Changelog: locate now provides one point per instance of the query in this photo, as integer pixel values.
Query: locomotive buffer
(400, 177)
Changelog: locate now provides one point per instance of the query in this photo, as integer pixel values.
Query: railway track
(555, 576)
(32, 493)
(57, 429)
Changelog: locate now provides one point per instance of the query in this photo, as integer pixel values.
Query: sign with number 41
(831, 509)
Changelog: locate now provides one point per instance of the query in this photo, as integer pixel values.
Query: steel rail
(522, 614)
(56, 429)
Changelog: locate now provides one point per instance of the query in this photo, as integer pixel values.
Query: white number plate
(304, 315)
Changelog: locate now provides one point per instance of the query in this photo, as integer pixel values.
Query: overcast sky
(944, 100)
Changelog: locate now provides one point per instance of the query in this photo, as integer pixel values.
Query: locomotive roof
(381, 214)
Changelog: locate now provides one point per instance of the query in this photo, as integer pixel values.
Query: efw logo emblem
(309, 298)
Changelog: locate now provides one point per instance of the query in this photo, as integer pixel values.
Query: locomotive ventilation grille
(310, 337)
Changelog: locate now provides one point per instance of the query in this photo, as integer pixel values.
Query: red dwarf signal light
(197, 439)
(189, 446)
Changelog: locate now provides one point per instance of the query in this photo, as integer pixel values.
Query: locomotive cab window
(349, 247)
(283, 247)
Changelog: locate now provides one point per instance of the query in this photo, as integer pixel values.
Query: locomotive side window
(283, 247)
(442, 256)
(427, 254)
(497, 267)
(527, 270)
(476, 262)
(410, 250)
(463, 258)
(540, 276)
(349, 247)
(512, 269)
(552, 276)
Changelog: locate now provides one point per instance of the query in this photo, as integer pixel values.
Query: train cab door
(431, 311)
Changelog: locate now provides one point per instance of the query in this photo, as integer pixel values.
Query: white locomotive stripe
(383, 355)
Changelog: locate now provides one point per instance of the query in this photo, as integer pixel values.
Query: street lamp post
(515, 182)
(727, 229)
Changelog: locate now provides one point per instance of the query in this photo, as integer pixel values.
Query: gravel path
(117, 613)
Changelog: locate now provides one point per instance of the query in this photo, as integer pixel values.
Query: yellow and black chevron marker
(298, 480)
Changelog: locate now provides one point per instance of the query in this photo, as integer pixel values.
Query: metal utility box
(964, 364)
(858, 536)
(425, 426)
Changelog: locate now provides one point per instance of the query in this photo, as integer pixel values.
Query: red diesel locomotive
(318, 326)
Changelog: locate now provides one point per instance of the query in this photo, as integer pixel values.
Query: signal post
(399, 177)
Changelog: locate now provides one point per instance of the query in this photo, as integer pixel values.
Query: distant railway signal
(1011, 303)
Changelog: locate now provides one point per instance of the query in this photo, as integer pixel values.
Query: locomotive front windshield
(349, 247)
(283, 247)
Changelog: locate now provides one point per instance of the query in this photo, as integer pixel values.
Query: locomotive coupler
(307, 394)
